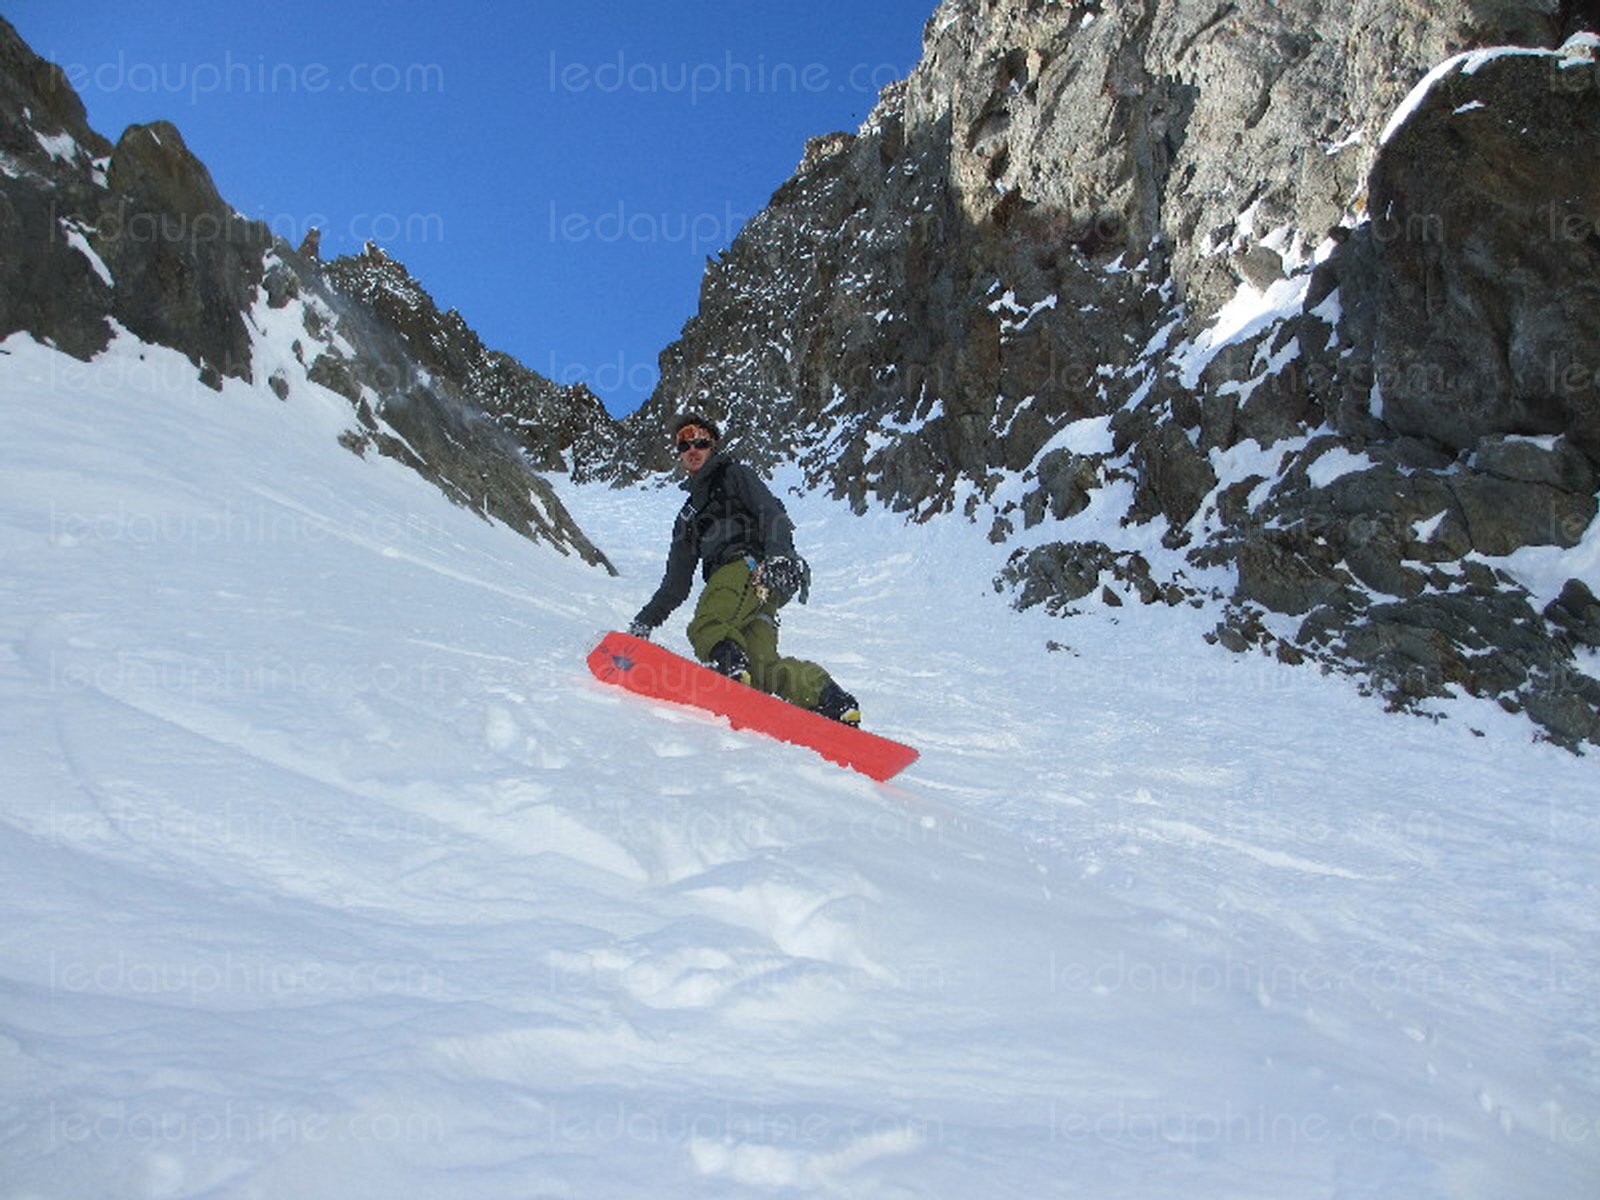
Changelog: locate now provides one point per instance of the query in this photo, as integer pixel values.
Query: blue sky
(559, 172)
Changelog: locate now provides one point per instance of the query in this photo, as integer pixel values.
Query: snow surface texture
(330, 872)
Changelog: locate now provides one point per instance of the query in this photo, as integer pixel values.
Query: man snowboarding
(743, 540)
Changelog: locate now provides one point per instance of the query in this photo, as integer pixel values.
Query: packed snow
(330, 872)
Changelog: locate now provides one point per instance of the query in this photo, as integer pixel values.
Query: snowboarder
(738, 532)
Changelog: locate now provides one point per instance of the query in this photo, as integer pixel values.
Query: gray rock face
(1457, 308)
(138, 234)
(1058, 216)
(413, 381)
(1486, 204)
(559, 428)
(1059, 574)
(1017, 219)
(186, 266)
(48, 286)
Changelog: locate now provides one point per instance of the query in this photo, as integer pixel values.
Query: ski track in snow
(330, 871)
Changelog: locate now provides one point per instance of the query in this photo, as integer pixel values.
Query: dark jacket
(730, 514)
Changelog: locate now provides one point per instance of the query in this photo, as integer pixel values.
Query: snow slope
(328, 871)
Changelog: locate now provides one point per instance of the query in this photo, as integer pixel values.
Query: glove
(781, 578)
(639, 629)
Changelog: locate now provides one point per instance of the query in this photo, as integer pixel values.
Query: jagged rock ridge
(561, 428)
(136, 236)
(1173, 264)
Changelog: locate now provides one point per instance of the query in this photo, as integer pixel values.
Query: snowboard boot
(728, 658)
(839, 705)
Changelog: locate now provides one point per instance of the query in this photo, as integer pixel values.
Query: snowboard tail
(649, 670)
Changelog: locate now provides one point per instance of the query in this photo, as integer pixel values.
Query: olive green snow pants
(729, 607)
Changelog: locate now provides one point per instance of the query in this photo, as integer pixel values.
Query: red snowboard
(643, 667)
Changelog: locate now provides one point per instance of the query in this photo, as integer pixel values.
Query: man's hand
(639, 629)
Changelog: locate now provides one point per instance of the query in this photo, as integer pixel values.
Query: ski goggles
(700, 443)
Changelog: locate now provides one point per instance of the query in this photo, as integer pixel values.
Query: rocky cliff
(135, 237)
(1287, 309)
(561, 429)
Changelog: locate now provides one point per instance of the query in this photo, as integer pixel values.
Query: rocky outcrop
(361, 326)
(1060, 574)
(1485, 293)
(136, 236)
(1181, 266)
(1449, 406)
(934, 296)
(49, 164)
(134, 233)
(186, 266)
(560, 428)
